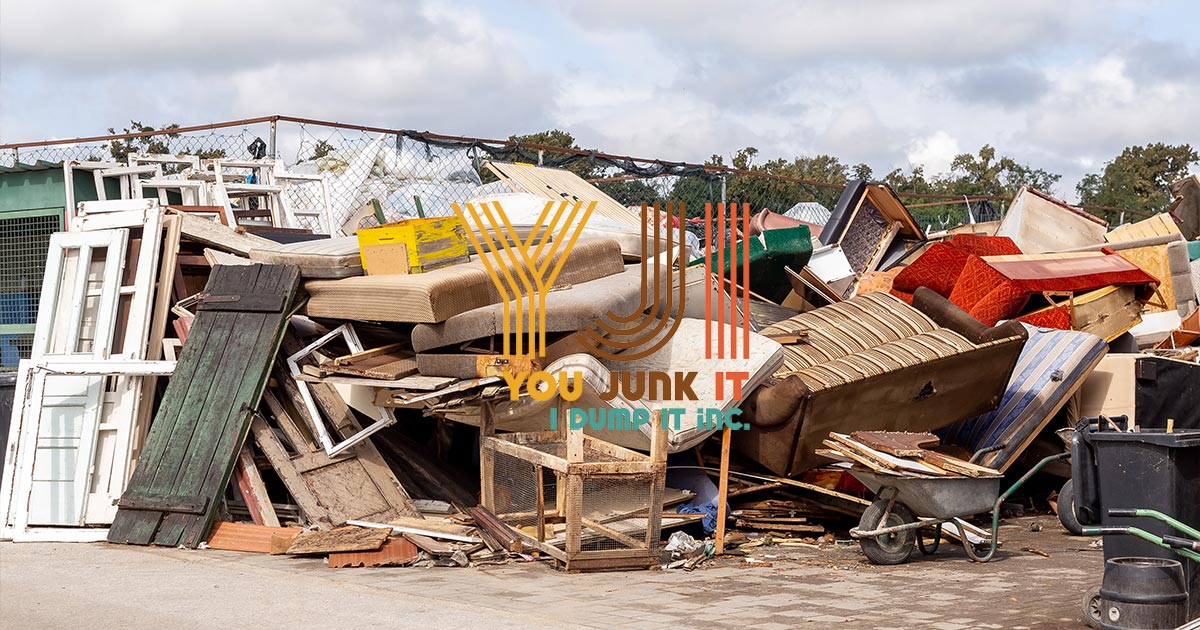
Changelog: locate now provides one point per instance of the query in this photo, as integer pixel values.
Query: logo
(524, 271)
(663, 294)
(518, 268)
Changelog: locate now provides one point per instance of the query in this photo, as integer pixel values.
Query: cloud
(1006, 86)
(935, 152)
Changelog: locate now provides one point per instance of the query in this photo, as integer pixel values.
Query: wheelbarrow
(888, 528)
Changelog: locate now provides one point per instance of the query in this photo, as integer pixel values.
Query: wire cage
(589, 504)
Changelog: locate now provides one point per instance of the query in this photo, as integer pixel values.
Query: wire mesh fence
(411, 173)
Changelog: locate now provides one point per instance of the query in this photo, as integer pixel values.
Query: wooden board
(252, 538)
(387, 363)
(560, 185)
(339, 540)
(900, 444)
(394, 552)
(206, 410)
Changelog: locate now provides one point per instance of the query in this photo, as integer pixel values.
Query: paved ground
(103, 586)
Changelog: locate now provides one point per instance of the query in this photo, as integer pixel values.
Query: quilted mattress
(438, 295)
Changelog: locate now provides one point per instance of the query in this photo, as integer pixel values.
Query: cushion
(891, 356)
(438, 295)
(938, 268)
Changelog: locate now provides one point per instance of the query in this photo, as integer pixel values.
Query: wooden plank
(390, 363)
(898, 443)
(253, 490)
(336, 540)
(779, 526)
(501, 533)
(723, 489)
(205, 413)
(200, 230)
(394, 552)
(247, 537)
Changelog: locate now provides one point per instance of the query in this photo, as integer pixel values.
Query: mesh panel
(23, 245)
(614, 513)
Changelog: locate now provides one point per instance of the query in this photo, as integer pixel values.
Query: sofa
(874, 362)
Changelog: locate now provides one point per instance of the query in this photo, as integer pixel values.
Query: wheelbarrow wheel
(1092, 607)
(894, 548)
(1066, 509)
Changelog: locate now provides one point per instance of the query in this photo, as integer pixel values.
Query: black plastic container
(1143, 593)
(1151, 470)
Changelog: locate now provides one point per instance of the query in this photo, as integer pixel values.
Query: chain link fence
(411, 173)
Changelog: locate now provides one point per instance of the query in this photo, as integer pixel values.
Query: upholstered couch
(875, 363)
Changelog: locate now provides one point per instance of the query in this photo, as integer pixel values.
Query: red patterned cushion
(1058, 317)
(938, 268)
(985, 245)
(986, 294)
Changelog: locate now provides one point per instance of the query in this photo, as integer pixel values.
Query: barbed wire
(410, 172)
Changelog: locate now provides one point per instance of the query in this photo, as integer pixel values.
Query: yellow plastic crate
(427, 244)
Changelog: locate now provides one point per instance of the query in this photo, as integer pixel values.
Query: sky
(1063, 85)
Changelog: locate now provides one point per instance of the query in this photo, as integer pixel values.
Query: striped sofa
(875, 363)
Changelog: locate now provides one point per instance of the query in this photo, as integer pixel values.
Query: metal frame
(385, 418)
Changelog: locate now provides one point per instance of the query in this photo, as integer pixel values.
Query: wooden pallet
(205, 414)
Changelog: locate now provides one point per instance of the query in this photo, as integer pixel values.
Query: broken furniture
(1039, 223)
(769, 254)
(585, 502)
(412, 246)
(875, 363)
(872, 228)
(322, 258)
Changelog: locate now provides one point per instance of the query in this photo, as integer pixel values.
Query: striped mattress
(1052, 366)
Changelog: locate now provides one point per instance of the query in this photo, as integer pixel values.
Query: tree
(1139, 178)
(982, 174)
(120, 149)
(780, 195)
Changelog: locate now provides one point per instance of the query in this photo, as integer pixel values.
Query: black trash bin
(1150, 469)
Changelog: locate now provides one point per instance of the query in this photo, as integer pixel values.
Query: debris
(1035, 551)
(254, 538)
(341, 539)
(394, 552)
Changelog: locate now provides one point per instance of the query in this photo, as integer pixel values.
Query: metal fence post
(272, 145)
(722, 189)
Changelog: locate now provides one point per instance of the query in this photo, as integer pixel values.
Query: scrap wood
(846, 444)
(496, 529)
(419, 531)
(434, 525)
(389, 363)
(347, 538)
(898, 443)
(779, 527)
(394, 552)
(253, 538)
(1036, 551)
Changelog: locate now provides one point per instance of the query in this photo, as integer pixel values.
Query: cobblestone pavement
(104, 586)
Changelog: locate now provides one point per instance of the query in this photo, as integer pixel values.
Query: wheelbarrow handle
(1181, 543)
(984, 451)
(1155, 514)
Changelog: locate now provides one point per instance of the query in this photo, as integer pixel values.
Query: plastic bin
(1150, 469)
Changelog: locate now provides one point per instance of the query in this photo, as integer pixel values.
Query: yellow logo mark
(521, 269)
(644, 329)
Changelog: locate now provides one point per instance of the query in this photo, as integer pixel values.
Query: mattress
(573, 308)
(684, 353)
(321, 258)
(438, 295)
(1052, 366)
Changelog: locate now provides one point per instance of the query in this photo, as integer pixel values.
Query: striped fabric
(889, 357)
(1051, 367)
(847, 328)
